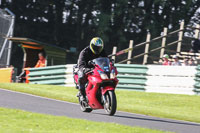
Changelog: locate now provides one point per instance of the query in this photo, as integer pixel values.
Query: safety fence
(132, 76)
(148, 78)
(197, 80)
(152, 50)
(157, 78)
(52, 75)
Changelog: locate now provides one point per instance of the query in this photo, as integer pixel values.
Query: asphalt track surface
(31, 103)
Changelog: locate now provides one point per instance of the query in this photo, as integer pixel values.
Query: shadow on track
(149, 119)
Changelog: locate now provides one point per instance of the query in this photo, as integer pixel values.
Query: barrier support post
(162, 50)
(130, 51)
(146, 49)
(114, 52)
(197, 31)
(180, 38)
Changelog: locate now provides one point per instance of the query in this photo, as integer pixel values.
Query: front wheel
(110, 104)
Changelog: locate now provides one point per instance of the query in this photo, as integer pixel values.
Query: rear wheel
(111, 103)
(84, 106)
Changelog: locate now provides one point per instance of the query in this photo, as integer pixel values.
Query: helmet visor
(97, 49)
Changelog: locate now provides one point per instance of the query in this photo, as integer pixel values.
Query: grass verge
(18, 121)
(180, 107)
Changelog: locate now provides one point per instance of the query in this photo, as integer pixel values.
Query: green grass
(17, 121)
(180, 107)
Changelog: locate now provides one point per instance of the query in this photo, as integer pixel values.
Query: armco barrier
(156, 78)
(197, 80)
(149, 78)
(53, 75)
(132, 76)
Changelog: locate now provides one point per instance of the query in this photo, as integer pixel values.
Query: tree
(72, 23)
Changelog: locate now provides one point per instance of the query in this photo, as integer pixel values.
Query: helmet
(96, 45)
(166, 56)
(175, 57)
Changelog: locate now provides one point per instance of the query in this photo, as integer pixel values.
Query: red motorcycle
(100, 88)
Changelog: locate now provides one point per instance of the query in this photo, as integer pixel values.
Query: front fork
(104, 91)
(104, 100)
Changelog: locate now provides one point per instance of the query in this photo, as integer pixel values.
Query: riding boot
(82, 92)
(81, 82)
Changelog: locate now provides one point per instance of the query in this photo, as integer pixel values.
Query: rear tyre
(110, 105)
(84, 106)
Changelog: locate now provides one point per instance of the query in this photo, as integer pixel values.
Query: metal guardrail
(149, 78)
(197, 80)
(53, 75)
(132, 76)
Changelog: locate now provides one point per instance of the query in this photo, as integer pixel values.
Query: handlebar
(88, 70)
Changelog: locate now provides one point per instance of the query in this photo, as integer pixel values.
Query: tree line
(72, 23)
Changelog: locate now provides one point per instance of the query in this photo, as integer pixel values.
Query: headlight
(102, 75)
(112, 74)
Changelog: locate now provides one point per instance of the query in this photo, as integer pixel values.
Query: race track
(16, 100)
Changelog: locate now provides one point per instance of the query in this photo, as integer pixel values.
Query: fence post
(197, 31)
(24, 59)
(162, 50)
(130, 51)
(180, 38)
(10, 42)
(146, 48)
(114, 52)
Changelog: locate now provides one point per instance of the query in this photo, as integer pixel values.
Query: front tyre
(110, 104)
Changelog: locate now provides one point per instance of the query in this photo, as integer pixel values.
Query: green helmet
(96, 45)
(166, 56)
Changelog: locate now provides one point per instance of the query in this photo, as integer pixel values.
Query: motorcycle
(100, 88)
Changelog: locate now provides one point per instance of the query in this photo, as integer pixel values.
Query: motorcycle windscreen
(103, 63)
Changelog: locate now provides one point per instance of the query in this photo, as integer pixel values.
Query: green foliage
(72, 23)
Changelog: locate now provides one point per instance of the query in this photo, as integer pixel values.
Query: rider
(94, 50)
